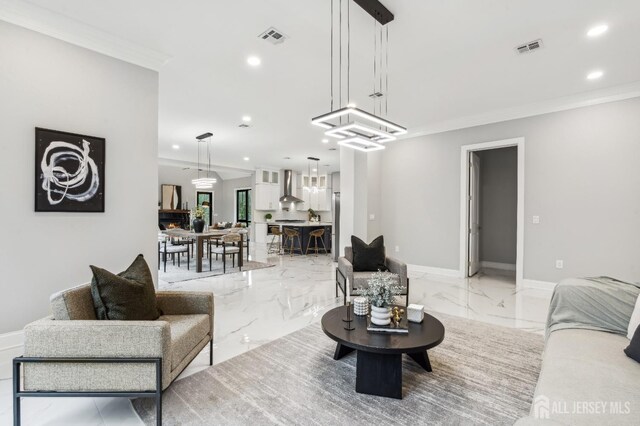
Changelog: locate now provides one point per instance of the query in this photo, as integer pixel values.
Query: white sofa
(586, 378)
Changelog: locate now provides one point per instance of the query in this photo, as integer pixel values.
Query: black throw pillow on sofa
(633, 350)
(368, 257)
(130, 295)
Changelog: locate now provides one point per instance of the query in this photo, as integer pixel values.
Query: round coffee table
(379, 354)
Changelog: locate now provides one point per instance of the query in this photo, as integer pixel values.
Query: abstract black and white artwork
(69, 172)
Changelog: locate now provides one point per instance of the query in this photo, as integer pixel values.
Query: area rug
(176, 274)
(482, 375)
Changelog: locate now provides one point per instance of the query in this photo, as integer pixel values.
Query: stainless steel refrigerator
(335, 249)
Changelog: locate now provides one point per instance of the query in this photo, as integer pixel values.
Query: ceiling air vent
(530, 46)
(273, 36)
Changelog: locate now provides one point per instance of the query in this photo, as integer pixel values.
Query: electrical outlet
(536, 219)
(559, 264)
(397, 249)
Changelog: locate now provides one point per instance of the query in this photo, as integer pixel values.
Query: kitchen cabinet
(266, 196)
(317, 200)
(320, 181)
(267, 192)
(268, 176)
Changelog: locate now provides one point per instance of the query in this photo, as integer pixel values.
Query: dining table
(199, 238)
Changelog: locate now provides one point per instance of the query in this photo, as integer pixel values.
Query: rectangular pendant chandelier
(325, 120)
(361, 144)
(204, 183)
(360, 130)
(366, 135)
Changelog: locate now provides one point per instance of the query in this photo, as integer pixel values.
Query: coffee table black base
(422, 358)
(342, 350)
(381, 374)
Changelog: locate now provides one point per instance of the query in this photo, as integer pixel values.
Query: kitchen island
(304, 228)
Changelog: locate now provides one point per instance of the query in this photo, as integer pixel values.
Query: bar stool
(315, 234)
(290, 236)
(276, 234)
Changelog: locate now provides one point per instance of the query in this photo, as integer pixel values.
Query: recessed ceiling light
(254, 61)
(594, 75)
(175, 146)
(246, 118)
(314, 170)
(325, 140)
(597, 30)
(351, 105)
(246, 158)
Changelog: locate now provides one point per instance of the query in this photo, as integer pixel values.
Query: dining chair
(170, 249)
(226, 249)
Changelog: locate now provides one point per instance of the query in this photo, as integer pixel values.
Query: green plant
(268, 216)
(312, 213)
(382, 289)
(198, 212)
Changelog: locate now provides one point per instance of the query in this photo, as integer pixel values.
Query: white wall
(498, 205)
(172, 175)
(581, 177)
(49, 83)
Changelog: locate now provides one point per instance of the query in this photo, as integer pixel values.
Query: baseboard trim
(11, 346)
(498, 265)
(435, 271)
(542, 285)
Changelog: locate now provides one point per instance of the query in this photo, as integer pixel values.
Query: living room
(544, 333)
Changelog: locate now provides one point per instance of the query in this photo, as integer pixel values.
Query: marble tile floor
(253, 308)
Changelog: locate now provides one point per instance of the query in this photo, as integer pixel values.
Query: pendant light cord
(386, 75)
(348, 51)
(331, 85)
(340, 80)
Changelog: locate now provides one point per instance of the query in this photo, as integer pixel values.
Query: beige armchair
(71, 353)
(357, 281)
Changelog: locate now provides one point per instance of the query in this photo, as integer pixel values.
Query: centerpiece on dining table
(381, 291)
(198, 222)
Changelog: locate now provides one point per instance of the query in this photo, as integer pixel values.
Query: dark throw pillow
(633, 350)
(368, 257)
(130, 295)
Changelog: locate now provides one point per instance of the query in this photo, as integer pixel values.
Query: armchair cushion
(91, 339)
(368, 257)
(186, 332)
(130, 295)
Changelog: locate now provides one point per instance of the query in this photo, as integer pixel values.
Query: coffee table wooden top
(423, 336)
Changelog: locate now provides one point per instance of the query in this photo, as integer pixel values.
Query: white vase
(380, 316)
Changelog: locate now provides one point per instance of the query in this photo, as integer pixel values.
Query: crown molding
(585, 99)
(80, 34)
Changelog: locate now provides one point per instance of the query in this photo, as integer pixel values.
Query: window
(205, 201)
(243, 206)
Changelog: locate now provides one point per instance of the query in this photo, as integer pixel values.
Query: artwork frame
(69, 172)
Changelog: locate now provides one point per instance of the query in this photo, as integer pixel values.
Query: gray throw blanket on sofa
(598, 303)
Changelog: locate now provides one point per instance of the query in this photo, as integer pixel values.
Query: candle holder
(348, 326)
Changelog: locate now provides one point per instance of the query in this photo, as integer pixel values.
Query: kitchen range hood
(288, 189)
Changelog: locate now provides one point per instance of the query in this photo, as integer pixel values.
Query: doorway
(492, 207)
(204, 200)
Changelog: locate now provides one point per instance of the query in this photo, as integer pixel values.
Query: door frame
(464, 202)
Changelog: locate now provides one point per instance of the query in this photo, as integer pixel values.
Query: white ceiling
(450, 62)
